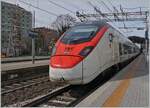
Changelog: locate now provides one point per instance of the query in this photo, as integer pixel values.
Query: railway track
(22, 79)
(23, 84)
(68, 95)
(55, 98)
(25, 90)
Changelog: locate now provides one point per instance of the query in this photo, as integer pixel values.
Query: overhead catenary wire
(115, 9)
(106, 6)
(136, 8)
(97, 10)
(108, 19)
(48, 12)
(111, 10)
(54, 3)
(105, 15)
(103, 5)
(73, 5)
(123, 14)
(61, 6)
(122, 10)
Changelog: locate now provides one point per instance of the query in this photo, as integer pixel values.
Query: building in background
(15, 24)
(45, 40)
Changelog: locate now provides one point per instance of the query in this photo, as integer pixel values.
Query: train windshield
(79, 34)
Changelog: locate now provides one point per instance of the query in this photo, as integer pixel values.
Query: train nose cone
(66, 74)
(64, 61)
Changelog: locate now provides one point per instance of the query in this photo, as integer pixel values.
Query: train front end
(66, 62)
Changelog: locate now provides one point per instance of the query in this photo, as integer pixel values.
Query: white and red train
(86, 50)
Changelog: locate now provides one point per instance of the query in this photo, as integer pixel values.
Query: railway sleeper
(66, 98)
(58, 103)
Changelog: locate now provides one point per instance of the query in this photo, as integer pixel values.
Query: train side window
(125, 48)
(130, 50)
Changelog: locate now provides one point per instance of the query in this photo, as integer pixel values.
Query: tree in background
(62, 23)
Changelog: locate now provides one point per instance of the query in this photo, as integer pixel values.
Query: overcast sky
(45, 19)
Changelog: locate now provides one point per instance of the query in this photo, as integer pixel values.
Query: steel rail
(48, 96)
(22, 87)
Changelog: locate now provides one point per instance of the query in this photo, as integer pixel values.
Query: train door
(115, 47)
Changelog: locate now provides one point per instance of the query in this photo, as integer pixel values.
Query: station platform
(23, 58)
(23, 65)
(128, 88)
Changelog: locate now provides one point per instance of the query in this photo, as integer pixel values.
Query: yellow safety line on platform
(116, 97)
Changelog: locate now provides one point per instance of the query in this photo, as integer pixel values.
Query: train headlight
(86, 51)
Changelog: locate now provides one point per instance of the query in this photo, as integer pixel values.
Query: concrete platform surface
(21, 65)
(128, 88)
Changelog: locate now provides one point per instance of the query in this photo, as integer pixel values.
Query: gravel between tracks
(25, 94)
